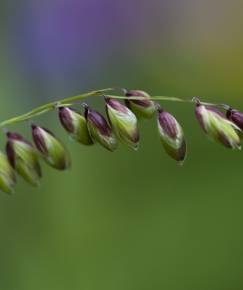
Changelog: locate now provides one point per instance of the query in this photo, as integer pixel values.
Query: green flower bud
(7, 176)
(100, 130)
(75, 124)
(123, 122)
(217, 127)
(23, 158)
(144, 108)
(52, 150)
(171, 136)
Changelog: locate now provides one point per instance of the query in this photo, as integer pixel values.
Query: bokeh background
(126, 220)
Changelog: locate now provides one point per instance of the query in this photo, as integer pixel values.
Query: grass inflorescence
(220, 122)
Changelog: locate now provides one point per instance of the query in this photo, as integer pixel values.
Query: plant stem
(165, 98)
(70, 100)
(51, 106)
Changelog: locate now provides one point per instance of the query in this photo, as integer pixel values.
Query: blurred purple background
(78, 45)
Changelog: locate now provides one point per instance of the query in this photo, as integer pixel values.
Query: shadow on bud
(75, 124)
(236, 117)
(123, 122)
(99, 129)
(23, 158)
(145, 108)
(171, 136)
(217, 127)
(7, 176)
(51, 149)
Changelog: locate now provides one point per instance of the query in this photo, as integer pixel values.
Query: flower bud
(171, 136)
(217, 127)
(23, 158)
(52, 150)
(100, 130)
(236, 117)
(75, 124)
(123, 122)
(144, 108)
(7, 176)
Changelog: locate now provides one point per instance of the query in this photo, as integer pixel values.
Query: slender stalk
(70, 100)
(166, 98)
(51, 106)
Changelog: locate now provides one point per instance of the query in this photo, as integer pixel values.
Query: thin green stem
(70, 100)
(165, 98)
(51, 106)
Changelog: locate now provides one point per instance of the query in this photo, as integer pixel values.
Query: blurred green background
(124, 220)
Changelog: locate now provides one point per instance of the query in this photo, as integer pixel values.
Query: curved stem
(166, 98)
(70, 100)
(51, 106)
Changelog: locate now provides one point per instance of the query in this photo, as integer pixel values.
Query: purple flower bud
(123, 122)
(144, 108)
(99, 129)
(75, 124)
(171, 136)
(23, 158)
(236, 117)
(217, 127)
(51, 149)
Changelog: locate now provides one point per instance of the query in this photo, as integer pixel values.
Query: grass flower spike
(91, 128)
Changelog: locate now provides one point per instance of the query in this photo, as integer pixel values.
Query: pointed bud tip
(159, 109)
(108, 99)
(180, 163)
(85, 106)
(13, 136)
(125, 91)
(196, 100)
(135, 147)
(10, 192)
(62, 109)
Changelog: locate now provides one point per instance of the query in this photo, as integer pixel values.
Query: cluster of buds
(119, 126)
(23, 158)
